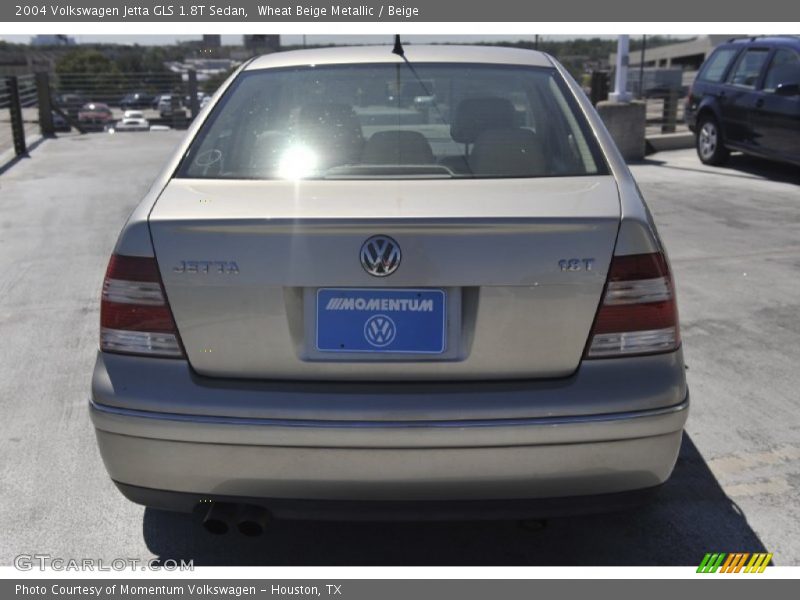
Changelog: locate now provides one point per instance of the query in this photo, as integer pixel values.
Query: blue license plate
(381, 320)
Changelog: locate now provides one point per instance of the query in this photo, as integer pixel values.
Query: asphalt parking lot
(734, 240)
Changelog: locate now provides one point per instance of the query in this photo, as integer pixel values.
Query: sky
(156, 40)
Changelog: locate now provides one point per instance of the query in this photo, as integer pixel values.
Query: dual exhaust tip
(248, 519)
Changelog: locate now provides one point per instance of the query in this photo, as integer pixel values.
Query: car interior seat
(509, 152)
(476, 115)
(332, 131)
(498, 146)
(398, 147)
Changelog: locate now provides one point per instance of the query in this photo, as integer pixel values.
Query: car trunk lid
(518, 266)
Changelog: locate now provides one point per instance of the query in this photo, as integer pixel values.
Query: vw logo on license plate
(380, 331)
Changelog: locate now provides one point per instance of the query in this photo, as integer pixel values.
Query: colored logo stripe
(758, 563)
(711, 562)
(734, 562)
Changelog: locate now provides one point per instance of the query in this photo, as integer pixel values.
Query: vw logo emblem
(380, 255)
(380, 331)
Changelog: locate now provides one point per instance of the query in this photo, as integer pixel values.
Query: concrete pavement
(734, 239)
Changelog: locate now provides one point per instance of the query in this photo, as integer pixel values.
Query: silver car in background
(337, 300)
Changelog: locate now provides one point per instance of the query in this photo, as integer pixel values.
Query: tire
(708, 142)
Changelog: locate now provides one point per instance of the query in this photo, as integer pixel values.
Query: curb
(669, 141)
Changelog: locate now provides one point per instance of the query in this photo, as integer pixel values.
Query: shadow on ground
(739, 165)
(690, 516)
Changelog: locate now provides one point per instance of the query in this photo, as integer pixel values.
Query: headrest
(398, 147)
(333, 129)
(475, 115)
(513, 152)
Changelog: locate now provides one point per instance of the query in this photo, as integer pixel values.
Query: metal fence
(26, 87)
(164, 98)
(19, 116)
(5, 117)
(665, 113)
(119, 90)
(48, 103)
(663, 92)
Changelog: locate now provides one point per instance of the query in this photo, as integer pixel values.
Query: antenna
(398, 47)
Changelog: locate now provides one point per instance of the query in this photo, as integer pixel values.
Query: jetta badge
(380, 255)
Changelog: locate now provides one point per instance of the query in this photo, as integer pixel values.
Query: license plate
(381, 320)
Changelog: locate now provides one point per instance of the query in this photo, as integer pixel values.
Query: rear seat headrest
(333, 128)
(398, 147)
(511, 152)
(476, 115)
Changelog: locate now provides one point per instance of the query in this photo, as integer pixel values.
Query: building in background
(688, 55)
(206, 68)
(672, 66)
(262, 44)
(212, 41)
(52, 40)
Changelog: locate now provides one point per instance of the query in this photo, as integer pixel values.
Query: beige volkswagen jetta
(391, 285)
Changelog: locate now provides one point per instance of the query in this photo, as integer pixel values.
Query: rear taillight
(638, 314)
(134, 315)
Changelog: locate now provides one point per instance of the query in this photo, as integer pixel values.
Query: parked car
(132, 120)
(747, 97)
(136, 100)
(156, 100)
(60, 124)
(71, 103)
(168, 108)
(95, 115)
(202, 99)
(307, 314)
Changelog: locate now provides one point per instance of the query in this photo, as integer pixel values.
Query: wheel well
(706, 112)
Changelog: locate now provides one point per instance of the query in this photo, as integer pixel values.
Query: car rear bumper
(517, 448)
(518, 471)
(398, 510)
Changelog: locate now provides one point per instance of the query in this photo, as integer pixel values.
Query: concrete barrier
(626, 123)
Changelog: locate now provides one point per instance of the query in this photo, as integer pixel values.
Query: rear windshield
(394, 121)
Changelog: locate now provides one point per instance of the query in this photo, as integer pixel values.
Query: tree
(138, 59)
(210, 85)
(85, 61)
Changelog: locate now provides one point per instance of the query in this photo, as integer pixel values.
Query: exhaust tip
(216, 526)
(252, 520)
(250, 528)
(219, 517)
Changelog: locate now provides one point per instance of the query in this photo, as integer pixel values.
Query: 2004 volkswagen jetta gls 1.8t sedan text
(417, 284)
